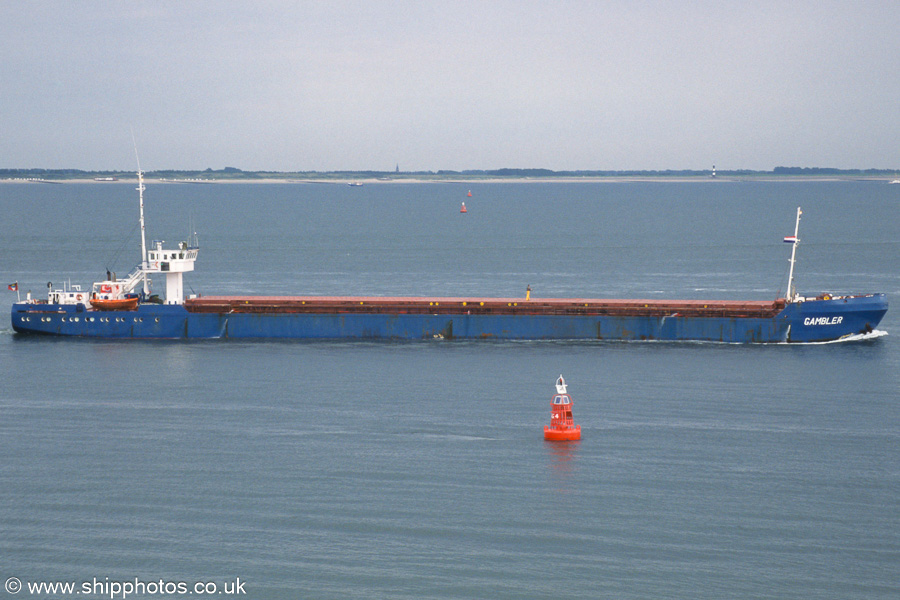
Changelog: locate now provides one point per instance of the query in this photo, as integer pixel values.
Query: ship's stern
(148, 321)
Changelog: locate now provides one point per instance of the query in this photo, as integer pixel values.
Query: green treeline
(827, 171)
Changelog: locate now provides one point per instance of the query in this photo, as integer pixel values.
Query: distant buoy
(469, 194)
(562, 427)
(463, 209)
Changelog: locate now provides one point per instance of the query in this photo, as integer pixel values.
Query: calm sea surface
(418, 469)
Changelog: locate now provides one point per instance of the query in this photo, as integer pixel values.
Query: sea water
(298, 469)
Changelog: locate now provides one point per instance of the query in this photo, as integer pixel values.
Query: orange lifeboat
(562, 427)
(116, 304)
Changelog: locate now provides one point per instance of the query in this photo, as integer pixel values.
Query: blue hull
(809, 321)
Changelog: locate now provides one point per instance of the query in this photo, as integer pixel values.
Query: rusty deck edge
(484, 306)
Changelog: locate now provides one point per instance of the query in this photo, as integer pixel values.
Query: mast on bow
(793, 240)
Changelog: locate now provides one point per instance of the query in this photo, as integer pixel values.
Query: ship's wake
(856, 337)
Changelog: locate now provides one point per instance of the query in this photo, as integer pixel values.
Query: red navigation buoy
(562, 427)
(463, 209)
(469, 194)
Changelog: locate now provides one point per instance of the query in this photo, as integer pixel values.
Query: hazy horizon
(512, 172)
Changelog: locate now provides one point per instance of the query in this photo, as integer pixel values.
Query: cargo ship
(126, 308)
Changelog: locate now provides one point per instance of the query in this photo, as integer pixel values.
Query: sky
(430, 85)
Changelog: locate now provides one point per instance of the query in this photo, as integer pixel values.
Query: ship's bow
(832, 318)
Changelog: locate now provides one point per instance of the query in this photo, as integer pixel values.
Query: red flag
(13, 287)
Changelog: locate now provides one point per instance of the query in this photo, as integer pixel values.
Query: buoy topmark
(562, 426)
(463, 209)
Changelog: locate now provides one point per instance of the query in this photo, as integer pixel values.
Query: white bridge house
(173, 263)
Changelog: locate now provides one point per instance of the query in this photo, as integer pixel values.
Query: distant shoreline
(358, 181)
(470, 176)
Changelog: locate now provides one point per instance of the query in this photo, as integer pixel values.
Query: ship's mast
(140, 188)
(791, 293)
(143, 232)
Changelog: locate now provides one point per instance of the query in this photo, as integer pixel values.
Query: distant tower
(398, 168)
(713, 174)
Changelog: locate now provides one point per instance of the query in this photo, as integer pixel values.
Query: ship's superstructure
(112, 291)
